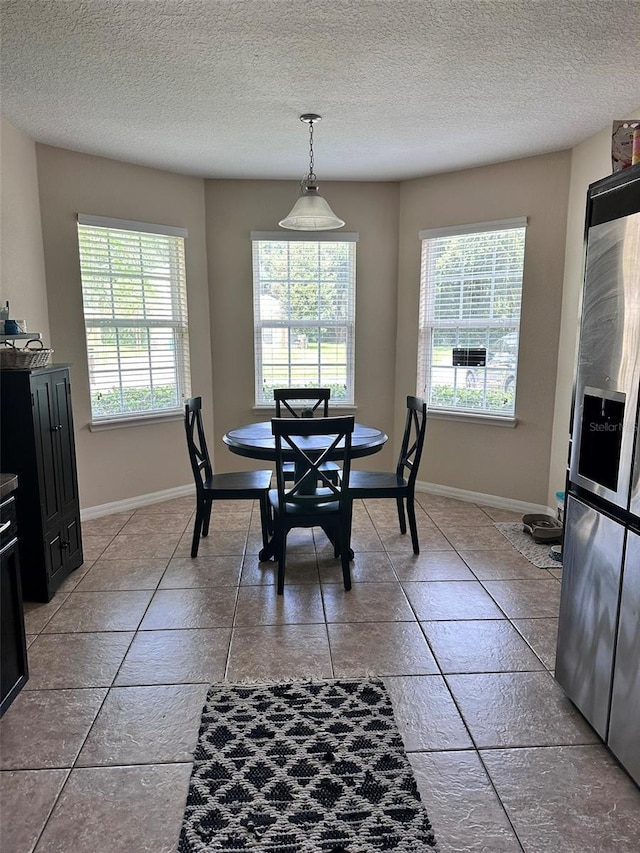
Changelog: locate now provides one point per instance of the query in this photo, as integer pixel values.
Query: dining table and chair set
(315, 482)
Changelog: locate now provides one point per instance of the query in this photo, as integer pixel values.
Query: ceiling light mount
(311, 212)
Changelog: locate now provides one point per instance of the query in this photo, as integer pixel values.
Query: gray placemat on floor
(534, 552)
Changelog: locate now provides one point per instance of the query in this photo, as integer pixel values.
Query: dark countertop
(8, 484)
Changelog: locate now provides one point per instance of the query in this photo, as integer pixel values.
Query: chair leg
(411, 512)
(342, 536)
(207, 517)
(265, 521)
(197, 527)
(282, 555)
(401, 518)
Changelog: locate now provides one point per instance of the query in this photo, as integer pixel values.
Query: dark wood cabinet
(13, 649)
(38, 445)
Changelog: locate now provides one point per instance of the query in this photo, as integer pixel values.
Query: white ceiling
(214, 88)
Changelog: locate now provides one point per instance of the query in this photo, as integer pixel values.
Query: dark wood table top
(256, 441)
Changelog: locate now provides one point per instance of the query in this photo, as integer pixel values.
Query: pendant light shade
(311, 212)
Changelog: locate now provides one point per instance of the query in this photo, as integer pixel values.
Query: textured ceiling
(406, 87)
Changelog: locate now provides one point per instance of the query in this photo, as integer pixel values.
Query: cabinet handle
(56, 428)
(64, 544)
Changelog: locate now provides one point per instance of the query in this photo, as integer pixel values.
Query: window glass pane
(304, 312)
(135, 306)
(470, 297)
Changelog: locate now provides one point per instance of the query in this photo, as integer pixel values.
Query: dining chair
(314, 499)
(239, 485)
(303, 403)
(401, 483)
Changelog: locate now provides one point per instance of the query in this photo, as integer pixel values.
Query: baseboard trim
(137, 502)
(480, 498)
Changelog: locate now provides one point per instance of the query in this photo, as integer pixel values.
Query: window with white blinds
(304, 313)
(135, 312)
(470, 297)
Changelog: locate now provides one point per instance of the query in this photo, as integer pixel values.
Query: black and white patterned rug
(305, 767)
(535, 552)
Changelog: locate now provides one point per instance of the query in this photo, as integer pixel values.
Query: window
(470, 295)
(135, 313)
(304, 313)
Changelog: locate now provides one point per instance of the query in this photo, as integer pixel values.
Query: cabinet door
(73, 540)
(45, 419)
(624, 726)
(55, 552)
(61, 392)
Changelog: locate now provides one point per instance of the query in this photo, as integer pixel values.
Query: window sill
(122, 423)
(468, 417)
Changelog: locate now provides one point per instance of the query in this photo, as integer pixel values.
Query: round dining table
(256, 441)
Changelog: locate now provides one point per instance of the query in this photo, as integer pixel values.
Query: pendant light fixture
(311, 212)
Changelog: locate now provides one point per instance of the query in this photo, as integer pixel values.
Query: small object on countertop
(306, 413)
(11, 327)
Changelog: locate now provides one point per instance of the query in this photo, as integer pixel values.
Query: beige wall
(510, 463)
(234, 209)
(119, 463)
(22, 279)
(590, 161)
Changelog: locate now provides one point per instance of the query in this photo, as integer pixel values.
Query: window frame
(427, 324)
(178, 321)
(259, 323)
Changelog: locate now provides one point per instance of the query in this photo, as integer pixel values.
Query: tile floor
(96, 749)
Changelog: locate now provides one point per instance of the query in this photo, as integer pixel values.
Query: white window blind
(135, 311)
(304, 313)
(470, 297)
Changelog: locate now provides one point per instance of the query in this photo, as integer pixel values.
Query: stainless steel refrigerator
(598, 659)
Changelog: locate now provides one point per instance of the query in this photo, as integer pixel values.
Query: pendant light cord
(312, 175)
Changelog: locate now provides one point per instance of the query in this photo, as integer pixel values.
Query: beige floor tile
(261, 605)
(76, 660)
(451, 600)
(122, 575)
(279, 652)
(238, 518)
(482, 645)
(119, 810)
(175, 506)
(145, 725)
(184, 572)
(191, 608)
(426, 714)
(300, 568)
(466, 814)
(106, 525)
(522, 599)
(396, 542)
(478, 538)
(176, 657)
(71, 581)
(430, 501)
(46, 728)
(367, 567)
(100, 611)
(37, 614)
(366, 602)
(26, 800)
(141, 525)
(216, 544)
(380, 648)
(501, 565)
(471, 516)
(432, 566)
(518, 709)
(542, 635)
(574, 799)
(143, 546)
(497, 514)
(94, 546)
(364, 539)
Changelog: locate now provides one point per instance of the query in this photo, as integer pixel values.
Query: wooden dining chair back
(240, 485)
(313, 498)
(305, 403)
(401, 484)
(299, 402)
